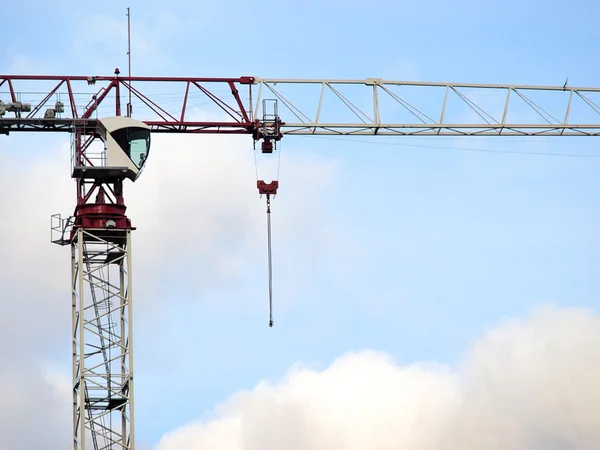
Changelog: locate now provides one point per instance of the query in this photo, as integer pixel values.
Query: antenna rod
(129, 106)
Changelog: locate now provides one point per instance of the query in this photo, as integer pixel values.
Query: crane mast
(99, 232)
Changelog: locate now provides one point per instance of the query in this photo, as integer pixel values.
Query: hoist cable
(270, 259)
(269, 246)
(279, 161)
(255, 164)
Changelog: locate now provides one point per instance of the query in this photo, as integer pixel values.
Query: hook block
(267, 146)
(267, 188)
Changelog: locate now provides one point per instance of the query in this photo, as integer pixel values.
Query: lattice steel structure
(371, 106)
(102, 347)
(410, 108)
(102, 333)
(99, 232)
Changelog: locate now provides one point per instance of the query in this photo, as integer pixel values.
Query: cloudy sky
(430, 293)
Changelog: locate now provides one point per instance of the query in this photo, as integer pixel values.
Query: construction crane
(89, 108)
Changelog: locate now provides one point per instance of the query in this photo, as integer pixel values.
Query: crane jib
(273, 108)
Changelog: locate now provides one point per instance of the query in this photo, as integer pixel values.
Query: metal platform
(102, 173)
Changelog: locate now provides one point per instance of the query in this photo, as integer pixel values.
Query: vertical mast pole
(129, 106)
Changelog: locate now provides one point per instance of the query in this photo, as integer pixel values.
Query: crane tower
(99, 234)
(99, 231)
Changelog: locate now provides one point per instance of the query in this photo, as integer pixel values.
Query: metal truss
(306, 107)
(102, 329)
(406, 108)
(73, 103)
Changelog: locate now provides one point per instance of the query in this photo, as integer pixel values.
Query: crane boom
(307, 107)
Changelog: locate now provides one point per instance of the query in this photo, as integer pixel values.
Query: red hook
(267, 188)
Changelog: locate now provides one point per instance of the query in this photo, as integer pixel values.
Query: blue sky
(413, 247)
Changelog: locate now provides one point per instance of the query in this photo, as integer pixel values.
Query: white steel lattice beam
(400, 108)
(102, 352)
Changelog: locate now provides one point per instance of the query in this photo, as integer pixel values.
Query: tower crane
(267, 110)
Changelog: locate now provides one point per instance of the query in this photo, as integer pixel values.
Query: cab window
(135, 142)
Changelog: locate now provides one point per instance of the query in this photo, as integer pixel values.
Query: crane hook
(270, 260)
(269, 189)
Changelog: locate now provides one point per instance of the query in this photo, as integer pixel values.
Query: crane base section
(101, 340)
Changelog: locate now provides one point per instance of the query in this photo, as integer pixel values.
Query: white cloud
(528, 384)
(34, 274)
(35, 407)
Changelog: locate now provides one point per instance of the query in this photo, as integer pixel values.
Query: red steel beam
(241, 80)
(84, 96)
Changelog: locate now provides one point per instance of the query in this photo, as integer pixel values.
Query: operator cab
(127, 144)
